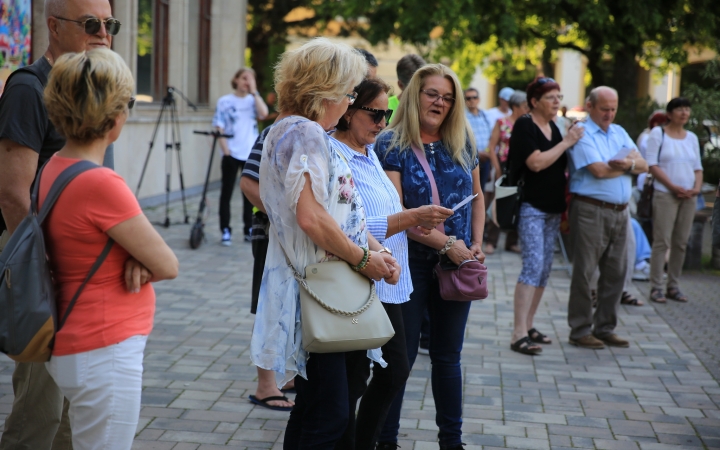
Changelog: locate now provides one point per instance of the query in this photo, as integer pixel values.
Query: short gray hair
(595, 94)
(54, 8)
(517, 99)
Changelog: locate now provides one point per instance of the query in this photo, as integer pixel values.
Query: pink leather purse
(463, 283)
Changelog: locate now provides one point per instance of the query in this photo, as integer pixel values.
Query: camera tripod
(168, 116)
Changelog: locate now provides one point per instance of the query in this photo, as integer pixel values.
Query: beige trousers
(672, 223)
(35, 420)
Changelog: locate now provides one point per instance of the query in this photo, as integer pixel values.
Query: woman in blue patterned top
(428, 118)
(387, 222)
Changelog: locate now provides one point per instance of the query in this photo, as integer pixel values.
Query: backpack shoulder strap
(58, 186)
(33, 69)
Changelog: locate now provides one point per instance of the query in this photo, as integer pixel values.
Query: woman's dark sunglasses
(378, 114)
(544, 80)
(93, 24)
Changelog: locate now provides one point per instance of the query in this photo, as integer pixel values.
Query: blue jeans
(447, 331)
(320, 415)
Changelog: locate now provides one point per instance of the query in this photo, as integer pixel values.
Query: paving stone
(661, 393)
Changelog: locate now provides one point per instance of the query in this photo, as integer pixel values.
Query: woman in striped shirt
(387, 222)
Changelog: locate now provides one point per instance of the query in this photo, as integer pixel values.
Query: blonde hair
(319, 70)
(455, 129)
(86, 92)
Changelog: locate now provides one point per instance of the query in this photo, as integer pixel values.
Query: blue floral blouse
(454, 182)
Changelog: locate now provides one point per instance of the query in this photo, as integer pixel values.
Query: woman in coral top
(98, 353)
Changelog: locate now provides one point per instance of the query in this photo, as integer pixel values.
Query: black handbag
(644, 205)
(507, 208)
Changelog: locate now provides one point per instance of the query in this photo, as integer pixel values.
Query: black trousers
(230, 167)
(362, 433)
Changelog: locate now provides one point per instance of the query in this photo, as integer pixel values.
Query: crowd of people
(346, 172)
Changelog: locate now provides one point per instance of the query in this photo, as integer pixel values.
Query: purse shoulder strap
(649, 178)
(420, 155)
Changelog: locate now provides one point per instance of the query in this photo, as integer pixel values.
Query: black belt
(600, 203)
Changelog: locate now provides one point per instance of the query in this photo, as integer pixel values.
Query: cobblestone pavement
(698, 321)
(654, 395)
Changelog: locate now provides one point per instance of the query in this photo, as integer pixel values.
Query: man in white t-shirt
(237, 114)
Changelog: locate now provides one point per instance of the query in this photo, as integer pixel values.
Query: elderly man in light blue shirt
(601, 164)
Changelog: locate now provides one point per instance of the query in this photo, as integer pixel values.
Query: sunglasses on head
(92, 25)
(544, 80)
(471, 97)
(378, 114)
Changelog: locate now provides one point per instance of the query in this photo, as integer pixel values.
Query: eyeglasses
(475, 97)
(131, 102)
(435, 95)
(555, 98)
(92, 25)
(352, 97)
(378, 114)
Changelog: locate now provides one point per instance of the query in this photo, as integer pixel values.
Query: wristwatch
(385, 250)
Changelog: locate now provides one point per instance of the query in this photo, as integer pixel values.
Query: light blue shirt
(482, 125)
(599, 146)
(380, 199)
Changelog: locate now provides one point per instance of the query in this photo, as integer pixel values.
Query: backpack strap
(56, 189)
(98, 262)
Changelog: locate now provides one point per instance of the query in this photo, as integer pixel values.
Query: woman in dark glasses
(387, 222)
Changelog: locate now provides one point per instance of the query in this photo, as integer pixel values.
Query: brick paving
(655, 395)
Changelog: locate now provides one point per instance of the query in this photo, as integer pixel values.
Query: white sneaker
(226, 238)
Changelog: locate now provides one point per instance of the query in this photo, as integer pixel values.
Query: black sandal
(538, 337)
(629, 299)
(657, 296)
(675, 294)
(525, 346)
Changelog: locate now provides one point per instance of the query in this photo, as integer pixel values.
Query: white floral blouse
(293, 147)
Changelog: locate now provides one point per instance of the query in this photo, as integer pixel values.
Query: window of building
(198, 67)
(152, 49)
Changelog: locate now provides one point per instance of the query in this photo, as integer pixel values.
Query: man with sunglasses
(27, 140)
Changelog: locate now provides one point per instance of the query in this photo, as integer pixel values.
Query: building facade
(194, 46)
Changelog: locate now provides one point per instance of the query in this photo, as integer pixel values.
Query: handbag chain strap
(304, 284)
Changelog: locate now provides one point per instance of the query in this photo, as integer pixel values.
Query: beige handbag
(340, 311)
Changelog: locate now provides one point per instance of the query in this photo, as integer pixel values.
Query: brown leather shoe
(614, 341)
(588, 341)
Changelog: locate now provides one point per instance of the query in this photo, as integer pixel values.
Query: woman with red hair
(537, 159)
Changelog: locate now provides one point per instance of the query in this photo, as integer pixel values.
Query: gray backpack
(28, 312)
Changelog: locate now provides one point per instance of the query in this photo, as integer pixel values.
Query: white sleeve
(696, 152)
(653, 146)
(310, 153)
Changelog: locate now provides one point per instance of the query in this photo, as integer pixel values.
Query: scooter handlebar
(214, 133)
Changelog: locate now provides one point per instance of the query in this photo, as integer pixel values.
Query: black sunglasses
(378, 114)
(131, 102)
(93, 24)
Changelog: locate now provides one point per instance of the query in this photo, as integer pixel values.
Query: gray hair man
(27, 140)
(601, 164)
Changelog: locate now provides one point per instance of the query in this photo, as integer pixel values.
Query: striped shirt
(482, 126)
(252, 165)
(380, 199)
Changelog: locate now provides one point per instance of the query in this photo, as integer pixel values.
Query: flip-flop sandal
(538, 337)
(264, 402)
(657, 296)
(628, 299)
(525, 346)
(675, 294)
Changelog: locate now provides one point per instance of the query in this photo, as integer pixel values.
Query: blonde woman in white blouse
(673, 154)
